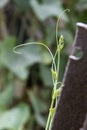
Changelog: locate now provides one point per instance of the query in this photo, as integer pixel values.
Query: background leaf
(15, 119)
(46, 75)
(18, 63)
(43, 11)
(23, 5)
(38, 105)
(6, 97)
(3, 3)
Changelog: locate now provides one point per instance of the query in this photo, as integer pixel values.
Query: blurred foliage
(25, 79)
(15, 119)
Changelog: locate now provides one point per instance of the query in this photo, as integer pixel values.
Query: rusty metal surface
(72, 103)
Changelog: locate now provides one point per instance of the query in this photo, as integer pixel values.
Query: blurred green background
(25, 80)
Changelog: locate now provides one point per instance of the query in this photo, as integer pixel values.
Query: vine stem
(49, 116)
(49, 120)
(55, 69)
(58, 65)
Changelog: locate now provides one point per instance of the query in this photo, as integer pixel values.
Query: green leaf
(38, 105)
(15, 118)
(45, 10)
(39, 108)
(14, 62)
(3, 3)
(40, 120)
(46, 58)
(46, 75)
(23, 5)
(67, 33)
(18, 63)
(81, 5)
(6, 97)
(31, 53)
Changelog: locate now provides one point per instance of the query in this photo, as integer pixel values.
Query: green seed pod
(56, 93)
(61, 43)
(52, 111)
(54, 74)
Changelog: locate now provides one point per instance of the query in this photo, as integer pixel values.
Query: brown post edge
(84, 124)
(72, 103)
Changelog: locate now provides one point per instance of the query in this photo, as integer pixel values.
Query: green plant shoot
(54, 71)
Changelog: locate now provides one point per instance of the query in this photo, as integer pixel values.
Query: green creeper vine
(54, 71)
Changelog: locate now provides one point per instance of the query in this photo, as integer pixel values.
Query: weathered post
(84, 124)
(72, 103)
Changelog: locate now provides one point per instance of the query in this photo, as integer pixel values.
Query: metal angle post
(72, 103)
